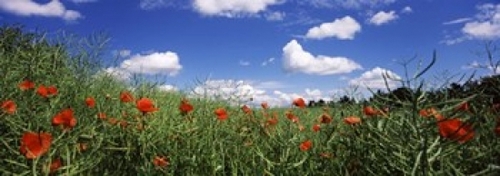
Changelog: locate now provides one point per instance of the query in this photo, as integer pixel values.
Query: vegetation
(58, 117)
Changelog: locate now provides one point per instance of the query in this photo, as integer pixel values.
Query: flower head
(9, 106)
(145, 105)
(34, 145)
(221, 114)
(306, 145)
(64, 118)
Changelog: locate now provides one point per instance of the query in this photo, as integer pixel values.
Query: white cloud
(153, 4)
(374, 79)
(457, 21)
(269, 85)
(295, 59)
(154, 63)
(232, 8)
(407, 9)
(485, 25)
(167, 88)
(383, 17)
(239, 92)
(83, 1)
(269, 61)
(53, 8)
(343, 29)
(244, 63)
(275, 16)
(117, 73)
(356, 4)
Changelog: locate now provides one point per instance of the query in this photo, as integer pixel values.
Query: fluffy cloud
(383, 17)
(232, 8)
(295, 59)
(343, 29)
(153, 63)
(167, 88)
(240, 92)
(485, 25)
(374, 79)
(53, 8)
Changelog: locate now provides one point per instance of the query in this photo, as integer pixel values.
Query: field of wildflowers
(58, 118)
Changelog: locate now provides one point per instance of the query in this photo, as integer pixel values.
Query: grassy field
(58, 118)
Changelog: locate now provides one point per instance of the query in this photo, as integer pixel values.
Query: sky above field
(274, 50)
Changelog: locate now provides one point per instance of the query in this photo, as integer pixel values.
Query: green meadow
(61, 116)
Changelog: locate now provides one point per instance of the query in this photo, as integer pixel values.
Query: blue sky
(273, 50)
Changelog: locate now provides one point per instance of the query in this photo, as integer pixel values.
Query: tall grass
(127, 141)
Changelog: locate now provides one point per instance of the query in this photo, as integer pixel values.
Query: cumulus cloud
(154, 63)
(382, 17)
(232, 8)
(239, 92)
(150, 64)
(167, 88)
(374, 79)
(296, 59)
(343, 29)
(485, 25)
(53, 8)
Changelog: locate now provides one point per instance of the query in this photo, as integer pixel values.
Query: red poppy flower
(292, 117)
(370, 111)
(264, 105)
(299, 102)
(316, 127)
(455, 129)
(352, 120)
(160, 161)
(46, 91)
(90, 102)
(52, 90)
(55, 165)
(185, 107)
(221, 114)
(145, 105)
(26, 85)
(9, 106)
(64, 118)
(306, 145)
(126, 97)
(325, 118)
(34, 145)
(246, 109)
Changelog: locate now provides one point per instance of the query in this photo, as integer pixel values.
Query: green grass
(403, 143)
